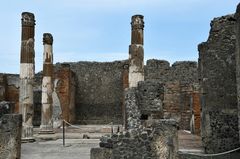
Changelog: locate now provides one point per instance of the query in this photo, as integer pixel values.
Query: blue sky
(99, 30)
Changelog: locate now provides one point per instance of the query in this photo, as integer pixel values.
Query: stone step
(86, 129)
(56, 136)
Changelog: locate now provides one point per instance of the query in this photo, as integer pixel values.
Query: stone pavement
(50, 146)
(74, 149)
(189, 143)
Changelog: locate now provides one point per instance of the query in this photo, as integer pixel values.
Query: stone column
(27, 71)
(136, 52)
(47, 85)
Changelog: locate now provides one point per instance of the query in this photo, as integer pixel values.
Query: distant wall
(99, 91)
(182, 71)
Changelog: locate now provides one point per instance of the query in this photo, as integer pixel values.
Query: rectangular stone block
(101, 153)
(10, 136)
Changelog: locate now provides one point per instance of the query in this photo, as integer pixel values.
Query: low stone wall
(101, 153)
(10, 136)
(157, 141)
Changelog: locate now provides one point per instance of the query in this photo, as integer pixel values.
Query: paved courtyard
(74, 149)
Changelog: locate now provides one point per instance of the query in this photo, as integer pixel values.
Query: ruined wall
(150, 99)
(237, 29)
(178, 81)
(160, 70)
(12, 93)
(99, 91)
(217, 69)
(3, 87)
(66, 91)
(196, 111)
(10, 136)
(155, 143)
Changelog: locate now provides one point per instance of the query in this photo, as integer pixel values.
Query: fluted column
(136, 52)
(47, 85)
(27, 71)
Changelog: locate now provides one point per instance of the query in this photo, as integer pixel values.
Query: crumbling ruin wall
(66, 91)
(10, 83)
(237, 29)
(3, 87)
(179, 81)
(217, 69)
(99, 91)
(158, 142)
(147, 134)
(150, 98)
(182, 71)
(12, 90)
(10, 136)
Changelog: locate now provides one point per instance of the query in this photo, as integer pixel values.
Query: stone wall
(10, 136)
(150, 98)
(147, 135)
(12, 90)
(3, 87)
(182, 71)
(196, 111)
(217, 69)
(158, 142)
(66, 91)
(237, 29)
(179, 81)
(99, 91)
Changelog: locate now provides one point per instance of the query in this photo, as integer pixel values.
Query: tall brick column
(136, 52)
(27, 71)
(47, 85)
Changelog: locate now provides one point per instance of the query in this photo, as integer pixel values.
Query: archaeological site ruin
(142, 110)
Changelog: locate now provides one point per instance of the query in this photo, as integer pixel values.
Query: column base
(27, 133)
(46, 129)
(46, 132)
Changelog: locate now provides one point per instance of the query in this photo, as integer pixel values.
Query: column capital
(137, 22)
(47, 39)
(28, 19)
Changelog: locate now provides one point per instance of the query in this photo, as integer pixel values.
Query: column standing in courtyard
(27, 71)
(47, 85)
(136, 52)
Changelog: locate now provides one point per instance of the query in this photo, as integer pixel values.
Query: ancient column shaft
(27, 71)
(136, 52)
(137, 29)
(47, 85)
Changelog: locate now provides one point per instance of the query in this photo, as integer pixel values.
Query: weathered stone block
(10, 136)
(132, 109)
(150, 98)
(101, 153)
